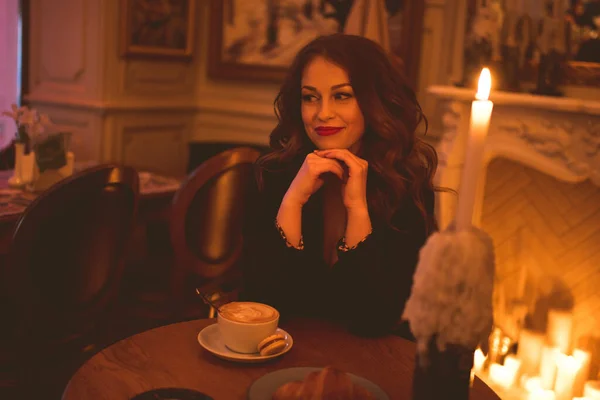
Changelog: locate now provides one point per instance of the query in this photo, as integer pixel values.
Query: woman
(346, 195)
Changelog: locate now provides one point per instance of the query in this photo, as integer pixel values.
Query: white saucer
(210, 339)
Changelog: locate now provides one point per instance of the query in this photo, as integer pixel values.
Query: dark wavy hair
(400, 164)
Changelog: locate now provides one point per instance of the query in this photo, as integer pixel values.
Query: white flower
(30, 123)
(27, 118)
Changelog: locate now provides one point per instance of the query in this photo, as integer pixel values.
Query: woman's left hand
(354, 190)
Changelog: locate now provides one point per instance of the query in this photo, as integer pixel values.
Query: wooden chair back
(207, 215)
(67, 254)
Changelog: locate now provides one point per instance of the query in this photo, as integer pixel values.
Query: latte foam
(248, 312)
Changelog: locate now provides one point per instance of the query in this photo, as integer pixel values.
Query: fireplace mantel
(557, 136)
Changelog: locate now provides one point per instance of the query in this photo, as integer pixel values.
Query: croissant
(326, 384)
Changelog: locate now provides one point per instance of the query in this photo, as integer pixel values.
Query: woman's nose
(325, 111)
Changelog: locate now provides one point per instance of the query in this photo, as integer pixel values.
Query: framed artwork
(160, 28)
(515, 39)
(258, 39)
(583, 42)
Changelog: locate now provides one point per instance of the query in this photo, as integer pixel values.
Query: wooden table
(170, 356)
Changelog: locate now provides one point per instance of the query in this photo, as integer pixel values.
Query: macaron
(272, 345)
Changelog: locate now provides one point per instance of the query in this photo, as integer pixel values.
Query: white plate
(264, 387)
(210, 339)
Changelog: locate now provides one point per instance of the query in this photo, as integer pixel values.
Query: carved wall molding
(156, 142)
(64, 41)
(576, 146)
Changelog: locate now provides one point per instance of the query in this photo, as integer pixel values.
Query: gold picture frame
(155, 29)
(405, 38)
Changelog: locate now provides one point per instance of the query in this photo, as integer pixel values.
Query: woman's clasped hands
(349, 168)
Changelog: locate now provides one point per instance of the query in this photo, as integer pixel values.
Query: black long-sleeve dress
(366, 289)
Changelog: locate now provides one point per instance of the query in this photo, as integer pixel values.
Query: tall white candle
(530, 351)
(548, 367)
(566, 372)
(481, 112)
(560, 324)
(584, 358)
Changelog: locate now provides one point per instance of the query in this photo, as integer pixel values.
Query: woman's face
(330, 112)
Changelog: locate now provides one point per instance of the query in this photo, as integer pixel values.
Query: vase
(24, 163)
(43, 180)
(443, 374)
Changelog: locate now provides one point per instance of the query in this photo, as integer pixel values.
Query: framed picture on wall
(517, 40)
(258, 39)
(157, 28)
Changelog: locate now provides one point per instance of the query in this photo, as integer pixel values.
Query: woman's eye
(309, 98)
(342, 96)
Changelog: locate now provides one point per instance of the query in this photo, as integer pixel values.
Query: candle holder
(443, 374)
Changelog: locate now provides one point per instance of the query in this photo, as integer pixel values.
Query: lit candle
(478, 360)
(481, 112)
(566, 372)
(501, 376)
(591, 389)
(534, 390)
(533, 384)
(583, 357)
(560, 324)
(548, 367)
(530, 351)
(512, 364)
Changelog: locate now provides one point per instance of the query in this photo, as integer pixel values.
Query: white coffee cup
(243, 325)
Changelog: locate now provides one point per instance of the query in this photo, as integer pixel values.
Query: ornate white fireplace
(557, 136)
(539, 199)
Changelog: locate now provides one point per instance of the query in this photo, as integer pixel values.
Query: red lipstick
(327, 130)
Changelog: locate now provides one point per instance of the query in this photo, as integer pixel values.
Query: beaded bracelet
(343, 246)
(284, 237)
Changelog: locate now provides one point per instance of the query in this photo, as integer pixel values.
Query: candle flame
(485, 85)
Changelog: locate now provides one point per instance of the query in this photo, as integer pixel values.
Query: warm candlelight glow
(542, 395)
(533, 384)
(530, 351)
(478, 360)
(567, 367)
(512, 363)
(548, 366)
(583, 373)
(485, 85)
(560, 325)
(533, 387)
(592, 390)
(501, 376)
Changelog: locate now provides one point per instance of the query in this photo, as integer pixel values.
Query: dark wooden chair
(206, 237)
(65, 265)
(206, 221)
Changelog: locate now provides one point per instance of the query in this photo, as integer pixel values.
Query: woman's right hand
(310, 178)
